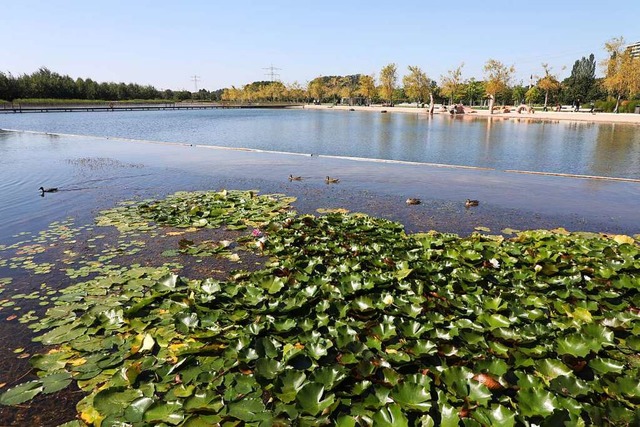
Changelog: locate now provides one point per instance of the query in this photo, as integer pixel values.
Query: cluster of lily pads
(350, 322)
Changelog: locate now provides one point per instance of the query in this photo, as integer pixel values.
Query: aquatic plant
(351, 321)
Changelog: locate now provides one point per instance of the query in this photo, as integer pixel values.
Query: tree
(518, 94)
(295, 92)
(473, 90)
(388, 81)
(367, 87)
(497, 77)
(452, 83)
(548, 84)
(417, 86)
(622, 71)
(349, 87)
(317, 89)
(581, 84)
(532, 95)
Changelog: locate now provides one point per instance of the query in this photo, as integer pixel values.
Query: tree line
(47, 84)
(620, 84)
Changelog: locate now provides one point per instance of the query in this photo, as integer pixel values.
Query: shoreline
(622, 118)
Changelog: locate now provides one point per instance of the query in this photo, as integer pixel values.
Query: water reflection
(497, 142)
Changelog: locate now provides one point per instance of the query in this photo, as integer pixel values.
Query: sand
(582, 116)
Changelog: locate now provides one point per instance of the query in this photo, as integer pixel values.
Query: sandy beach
(582, 116)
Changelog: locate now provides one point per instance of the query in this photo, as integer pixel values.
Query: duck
(48, 190)
(469, 203)
(413, 201)
(295, 178)
(330, 180)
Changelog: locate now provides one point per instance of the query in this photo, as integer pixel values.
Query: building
(634, 48)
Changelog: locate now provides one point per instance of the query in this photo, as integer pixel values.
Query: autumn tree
(417, 86)
(317, 89)
(497, 77)
(388, 81)
(548, 84)
(295, 92)
(451, 84)
(367, 87)
(622, 71)
(349, 87)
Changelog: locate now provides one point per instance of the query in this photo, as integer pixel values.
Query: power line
(272, 72)
(195, 79)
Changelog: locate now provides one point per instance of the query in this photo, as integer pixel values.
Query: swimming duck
(295, 178)
(330, 180)
(469, 203)
(413, 201)
(48, 190)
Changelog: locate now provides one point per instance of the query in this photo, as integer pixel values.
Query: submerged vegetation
(340, 319)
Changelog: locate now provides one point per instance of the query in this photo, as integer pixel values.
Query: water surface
(611, 150)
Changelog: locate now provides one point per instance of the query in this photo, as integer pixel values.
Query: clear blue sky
(164, 43)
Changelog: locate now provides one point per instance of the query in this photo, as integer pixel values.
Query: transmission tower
(273, 76)
(195, 79)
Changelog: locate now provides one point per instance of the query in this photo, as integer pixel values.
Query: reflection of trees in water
(617, 151)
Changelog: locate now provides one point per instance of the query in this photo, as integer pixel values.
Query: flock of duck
(410, 201)
(469, 203)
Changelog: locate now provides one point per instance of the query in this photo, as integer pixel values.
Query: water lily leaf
(498, 416)
(169, 412)
(114, 400)
(248, 410)
(552, 368)
(267, 368)
(605, 366)
(21, 393)
(134, 413)
(536, 402)
(55, 382)
(390, 416)
(449, 415)
(575, 345)
(312, 398)
(289, 384)
(346, 421)
(62, 334)
(414, 393)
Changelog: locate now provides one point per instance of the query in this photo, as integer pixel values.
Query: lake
(611, 150)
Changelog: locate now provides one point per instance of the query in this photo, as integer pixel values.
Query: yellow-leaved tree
(367, 87)
(451, 84)
(497, 77)
(417, 86)
(548, 84)
(388, 81)
(622, 71)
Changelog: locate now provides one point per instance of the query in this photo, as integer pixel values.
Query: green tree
(518, 94)
(417, 86)
(533, 95)
(622, 71)
(548, 84)
(497, 77)
(473, 90)
(451, 84)
(388, 81)
(581, 84)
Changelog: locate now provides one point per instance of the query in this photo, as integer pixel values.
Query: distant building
(634, 48)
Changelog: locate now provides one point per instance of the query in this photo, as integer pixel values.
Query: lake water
(611, 150)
